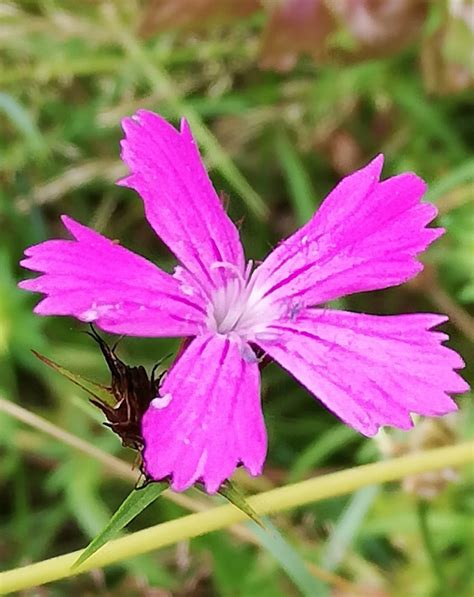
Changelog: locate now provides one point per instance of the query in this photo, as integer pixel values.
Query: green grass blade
(428, 116)
(315, 453)
(233, 494)
(427, 536)
(297, 179)
(347, 527)
(290, 560)
(133, 505)
(23, 121)
(464, 173)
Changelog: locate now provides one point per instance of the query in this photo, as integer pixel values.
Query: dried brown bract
(133, 391)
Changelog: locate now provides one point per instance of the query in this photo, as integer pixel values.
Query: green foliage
(231, 492)
(98, 391)
(290, 560)
(276, 143)
(131, 507)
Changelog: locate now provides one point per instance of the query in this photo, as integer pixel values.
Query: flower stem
(118, 467)
(275, 500)
(122, 469)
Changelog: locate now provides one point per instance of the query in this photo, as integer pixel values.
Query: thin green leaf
(298, 182)
(464, 173)
(317, 451)
(23, 121)
(133, 505)
(427, 535)
(347, 527)
(428, 116)
(81, 493)
(290, 560)
(96, 390)
(233, 494)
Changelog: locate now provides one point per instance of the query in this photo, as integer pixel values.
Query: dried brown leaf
(295, 27)
(162, 15)
(377, 28)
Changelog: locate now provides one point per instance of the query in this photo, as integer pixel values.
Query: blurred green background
(284, 98)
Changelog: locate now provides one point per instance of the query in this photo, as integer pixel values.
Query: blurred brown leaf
(344, 152)
(307, 27)
(298, 27)
(161, 15)
(381, 28)
(295, 27)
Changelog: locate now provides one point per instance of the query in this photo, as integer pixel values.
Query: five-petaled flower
(206, 419)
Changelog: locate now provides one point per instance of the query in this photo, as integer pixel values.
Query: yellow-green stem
(276, 500)
(118, 467)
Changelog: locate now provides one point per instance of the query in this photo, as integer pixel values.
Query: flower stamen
(238, 307)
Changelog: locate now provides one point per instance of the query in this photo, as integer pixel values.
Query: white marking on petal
(89, 316)
(162, 401)
(94, 312)
(187, 290)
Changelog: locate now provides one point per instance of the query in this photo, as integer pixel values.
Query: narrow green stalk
(122, 470)
(276, 500)
(301, 193)
(427, 537)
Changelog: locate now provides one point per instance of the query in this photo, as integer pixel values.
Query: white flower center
(238, 306)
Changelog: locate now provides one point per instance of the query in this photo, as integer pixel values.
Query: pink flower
(369, 370)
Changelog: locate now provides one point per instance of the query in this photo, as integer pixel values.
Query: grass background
(276, 143)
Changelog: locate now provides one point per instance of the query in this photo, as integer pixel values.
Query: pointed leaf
(96, 390)
(232, 493)
(300, 190)
(290, 560)
(344, 533)
(133, 505)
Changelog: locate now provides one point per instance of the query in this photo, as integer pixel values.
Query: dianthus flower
(369, 370)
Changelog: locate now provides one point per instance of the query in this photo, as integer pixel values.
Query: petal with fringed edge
(370, 370)
(180, 202)
(207, 418)
(96, 280)
(365, 236)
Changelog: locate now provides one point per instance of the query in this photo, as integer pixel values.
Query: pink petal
(370, 370)
(208, 417)
(365, 236)
(180, 202)
(94, 279)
